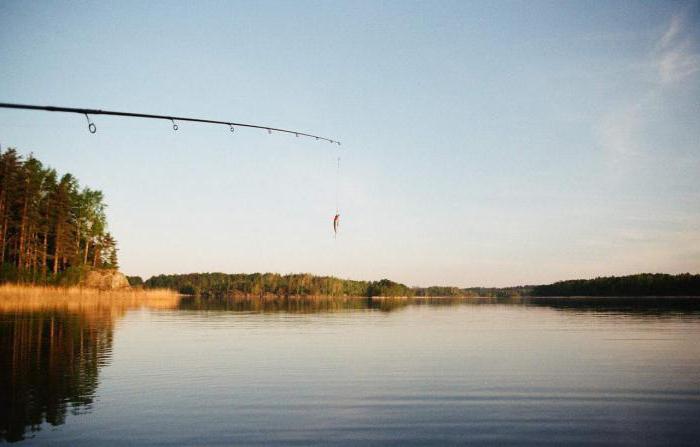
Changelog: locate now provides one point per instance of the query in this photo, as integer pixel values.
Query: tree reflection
(51, 351)
(629, 306)
(50, 362)
(323, 304)
(293, 304)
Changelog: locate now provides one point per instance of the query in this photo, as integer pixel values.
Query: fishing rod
(92, 128)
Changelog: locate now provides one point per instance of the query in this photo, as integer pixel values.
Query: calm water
(547, 372)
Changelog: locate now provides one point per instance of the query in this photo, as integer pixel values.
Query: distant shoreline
(304, 286)
(217, 284)
(436, 297)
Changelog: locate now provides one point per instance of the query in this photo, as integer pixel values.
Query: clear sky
(490, 143)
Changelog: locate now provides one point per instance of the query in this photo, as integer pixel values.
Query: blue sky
(493, 143)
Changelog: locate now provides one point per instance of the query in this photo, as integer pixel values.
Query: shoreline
(15, 291)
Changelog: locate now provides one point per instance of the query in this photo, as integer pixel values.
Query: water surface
(350, 372)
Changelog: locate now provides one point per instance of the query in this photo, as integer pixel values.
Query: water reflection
(300, 305)
(309, 305)
(51, 352)
(629, 306)
(50, 362)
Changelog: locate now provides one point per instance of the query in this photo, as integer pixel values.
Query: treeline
(51, 229)
(643, 284)
(266, 284)
(491, 292)
(304, 284)
(499, 292)
(260, 284)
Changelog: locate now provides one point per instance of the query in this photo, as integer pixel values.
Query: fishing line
(93, 128)
(337, 184)
(336, 218)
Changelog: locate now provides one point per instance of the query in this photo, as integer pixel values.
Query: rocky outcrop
(105, 280)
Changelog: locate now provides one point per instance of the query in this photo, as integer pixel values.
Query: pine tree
(48, 225)
(9, 172)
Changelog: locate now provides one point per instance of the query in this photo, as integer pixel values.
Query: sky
(483, 143)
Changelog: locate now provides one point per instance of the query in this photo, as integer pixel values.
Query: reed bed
(25, 297)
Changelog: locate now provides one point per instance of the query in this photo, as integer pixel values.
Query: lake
(354, 372)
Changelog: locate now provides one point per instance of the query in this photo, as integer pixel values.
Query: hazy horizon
(494, 144)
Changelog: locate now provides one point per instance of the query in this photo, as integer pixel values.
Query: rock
(106, 280)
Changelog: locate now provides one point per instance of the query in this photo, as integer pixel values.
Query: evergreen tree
(47, 224)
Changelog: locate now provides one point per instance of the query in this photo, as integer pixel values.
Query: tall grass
(25, 297)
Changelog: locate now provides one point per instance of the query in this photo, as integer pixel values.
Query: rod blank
(88, 112)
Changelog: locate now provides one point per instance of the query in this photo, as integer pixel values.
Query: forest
(491, 292)
(260, 284)
(51, 229)
(643, 284)
(305, 284)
